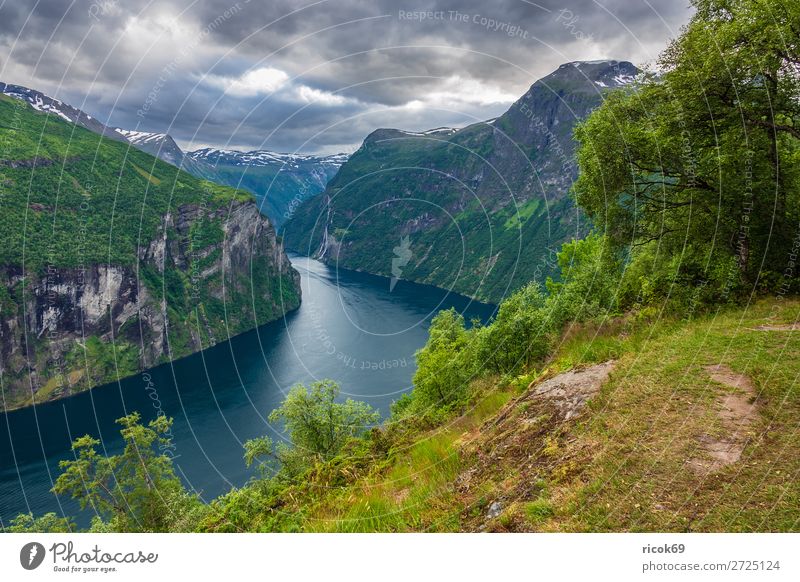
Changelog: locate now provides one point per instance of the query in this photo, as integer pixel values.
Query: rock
(570, 391)
(495, 509)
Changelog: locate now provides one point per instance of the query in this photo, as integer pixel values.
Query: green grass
(648, 420)
(622, 466)
(522, 214)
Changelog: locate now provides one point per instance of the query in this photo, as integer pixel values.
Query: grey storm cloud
(315, 75)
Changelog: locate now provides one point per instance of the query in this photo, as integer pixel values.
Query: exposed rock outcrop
(49, 319)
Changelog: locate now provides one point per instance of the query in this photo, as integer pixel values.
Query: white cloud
(457, 91)
(260, 81)
(310, 95)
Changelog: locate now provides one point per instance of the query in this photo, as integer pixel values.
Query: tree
(317, 425)
(48, 523)
(136, 490)
(590, 274)
(445, 365)
(703, 158)
(519, 335)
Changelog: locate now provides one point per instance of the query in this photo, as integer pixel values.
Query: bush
(445, 367)
(682, 283)
(520, 335)
(48, 523)
(317, 425)
(590, 276)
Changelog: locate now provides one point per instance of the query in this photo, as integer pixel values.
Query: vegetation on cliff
(484, 208)
(113, 261)
(650, 386)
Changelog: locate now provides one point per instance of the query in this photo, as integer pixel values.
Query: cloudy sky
(311, 76)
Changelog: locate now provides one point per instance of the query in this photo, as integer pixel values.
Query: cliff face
(112, 261)
(482, 209)
(61, 329)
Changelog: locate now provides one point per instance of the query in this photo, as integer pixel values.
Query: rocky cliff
(115, 262)
(64, 330)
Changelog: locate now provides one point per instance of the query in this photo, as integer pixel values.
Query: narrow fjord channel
(350, 327)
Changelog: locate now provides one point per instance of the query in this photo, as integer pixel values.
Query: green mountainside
(280, 181)
(480, 210)
(113, 261)
(650, 385)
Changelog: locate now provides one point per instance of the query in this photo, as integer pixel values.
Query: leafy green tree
(48, 523)
(318, 427)
(519, 335)
(590, 273)
(705, 154)
(445, 365)
(134, 491)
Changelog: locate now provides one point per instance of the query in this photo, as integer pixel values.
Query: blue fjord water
(350, 327)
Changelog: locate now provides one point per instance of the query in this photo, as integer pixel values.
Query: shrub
(520, 334)
(445, 366)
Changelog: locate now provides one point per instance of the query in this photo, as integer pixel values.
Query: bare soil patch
(737, 412)
(778, 327)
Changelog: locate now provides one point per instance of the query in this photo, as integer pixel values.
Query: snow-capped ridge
(140, 137)
(262, 158)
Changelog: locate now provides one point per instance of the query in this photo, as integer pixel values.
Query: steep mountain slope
(281, 182)
(479, 210)
(42, 102)
(160, 145)
(112, 261)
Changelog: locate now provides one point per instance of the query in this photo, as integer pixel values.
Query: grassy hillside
(113, 261)
(62, 184)
(625, 463)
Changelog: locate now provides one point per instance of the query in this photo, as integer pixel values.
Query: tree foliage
(704, 156)
(318, 428)
(445, 365)
(136, 490)
(519, 335)
(47, 523)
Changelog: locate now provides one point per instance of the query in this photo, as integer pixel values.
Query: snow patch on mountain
(142, 137)
(262, 158)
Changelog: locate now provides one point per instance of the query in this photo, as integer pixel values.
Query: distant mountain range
(280, 181)
(481, 210)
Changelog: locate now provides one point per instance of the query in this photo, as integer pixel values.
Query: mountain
(480, 210)
(113, 261)
(279, 181)
(160, 145)
(41, 102)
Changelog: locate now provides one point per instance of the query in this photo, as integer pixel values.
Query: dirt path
(779, 327)
(737, 412)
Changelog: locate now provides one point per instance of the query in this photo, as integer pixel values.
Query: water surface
(350, 327)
